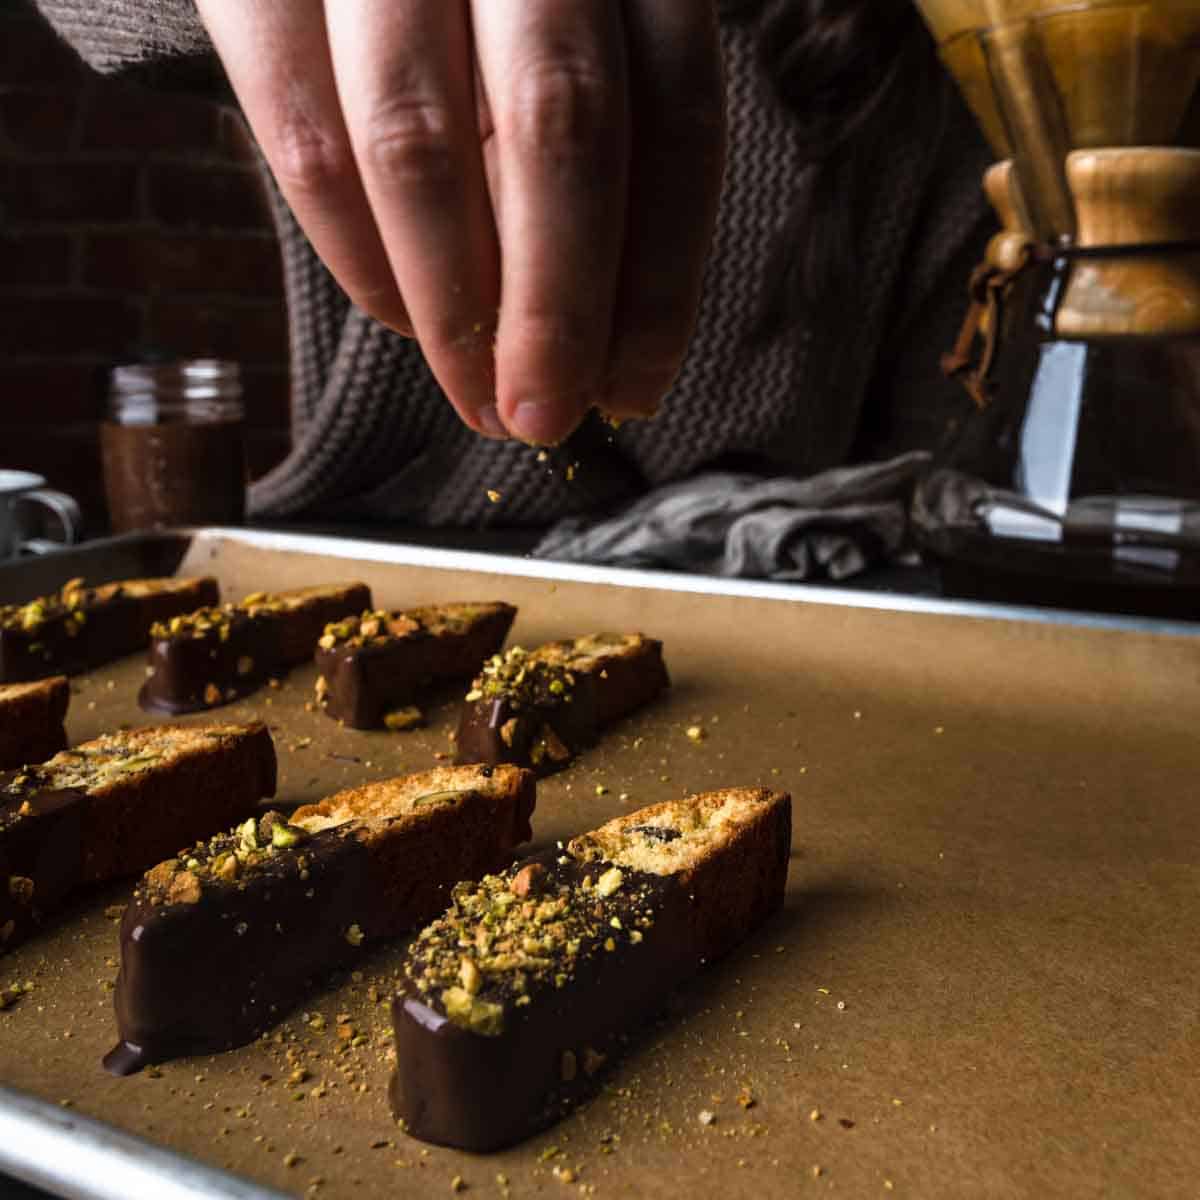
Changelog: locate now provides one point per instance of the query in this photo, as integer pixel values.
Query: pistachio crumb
(610, 881)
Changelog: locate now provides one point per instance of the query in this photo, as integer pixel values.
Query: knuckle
(306, 156)
(566, 107)
(410, 141)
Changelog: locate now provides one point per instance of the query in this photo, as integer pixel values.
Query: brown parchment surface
(984, 981)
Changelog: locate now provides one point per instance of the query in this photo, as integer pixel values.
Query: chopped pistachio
(403, 718)
(248, 833)
(479, 1016)
(468, 972)
(610, 881)
(284, 836)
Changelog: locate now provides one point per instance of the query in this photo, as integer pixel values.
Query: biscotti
(539, 708)
(372, 668)
(31, 720)
(215, 655)
(79, 628)
(219, 942)
(113, 806)
(513, 1000)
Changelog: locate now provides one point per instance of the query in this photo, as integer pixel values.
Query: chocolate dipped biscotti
(515, 998)
(540, 707)
(219, 942)
(79, 628)
(375, 666)
(216, 655)
(112, 806)
(31, 720)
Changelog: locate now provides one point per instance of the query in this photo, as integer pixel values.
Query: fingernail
(489, 423)
(538, 422)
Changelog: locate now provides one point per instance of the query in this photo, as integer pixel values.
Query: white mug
(19, 488)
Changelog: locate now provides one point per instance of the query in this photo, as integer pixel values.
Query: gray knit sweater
(373, 437)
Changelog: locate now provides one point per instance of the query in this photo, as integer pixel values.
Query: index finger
(276, 55)
(405, 75)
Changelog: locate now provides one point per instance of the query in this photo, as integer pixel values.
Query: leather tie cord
(988, 290)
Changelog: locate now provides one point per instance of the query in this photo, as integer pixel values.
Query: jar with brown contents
(173, 445)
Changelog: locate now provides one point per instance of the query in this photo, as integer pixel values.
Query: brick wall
(131, 224)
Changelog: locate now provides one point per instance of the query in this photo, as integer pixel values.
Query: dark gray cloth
(832, 525)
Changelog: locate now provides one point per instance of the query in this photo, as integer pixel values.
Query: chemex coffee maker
(1077, 481)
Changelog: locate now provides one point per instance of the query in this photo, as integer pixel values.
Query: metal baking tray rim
(408, 554)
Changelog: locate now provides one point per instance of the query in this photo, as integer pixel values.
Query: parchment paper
(984, 981)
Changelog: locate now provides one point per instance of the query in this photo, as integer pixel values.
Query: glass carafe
(1077, 482)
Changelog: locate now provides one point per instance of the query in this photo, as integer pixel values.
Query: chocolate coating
(61, 836)
(194, 670)
(514, 1000)
(116, 624)
(458, 1088)
(483, 737)
(184, 669)
(208, 976)
(41, 857)
(213, 964)
(364, 682)
(559, 709)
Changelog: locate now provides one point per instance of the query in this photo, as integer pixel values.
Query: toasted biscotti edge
(426, 832)
(734, 891)
(308, 610)
(135, 821)
(31, 720)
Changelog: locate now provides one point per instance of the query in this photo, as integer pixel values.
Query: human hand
(527, 186)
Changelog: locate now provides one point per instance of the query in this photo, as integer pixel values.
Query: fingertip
(637, 395)
(544, 421)
(387, 308)
(487, 422)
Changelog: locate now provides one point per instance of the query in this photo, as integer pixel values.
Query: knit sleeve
(157, 41)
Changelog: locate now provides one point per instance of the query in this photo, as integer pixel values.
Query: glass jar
(173, 445)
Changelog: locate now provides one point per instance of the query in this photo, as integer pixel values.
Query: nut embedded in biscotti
(527, 880)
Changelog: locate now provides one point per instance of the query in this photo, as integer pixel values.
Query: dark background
(132, 224)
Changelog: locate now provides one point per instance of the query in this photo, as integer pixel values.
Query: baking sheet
(983, 981)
